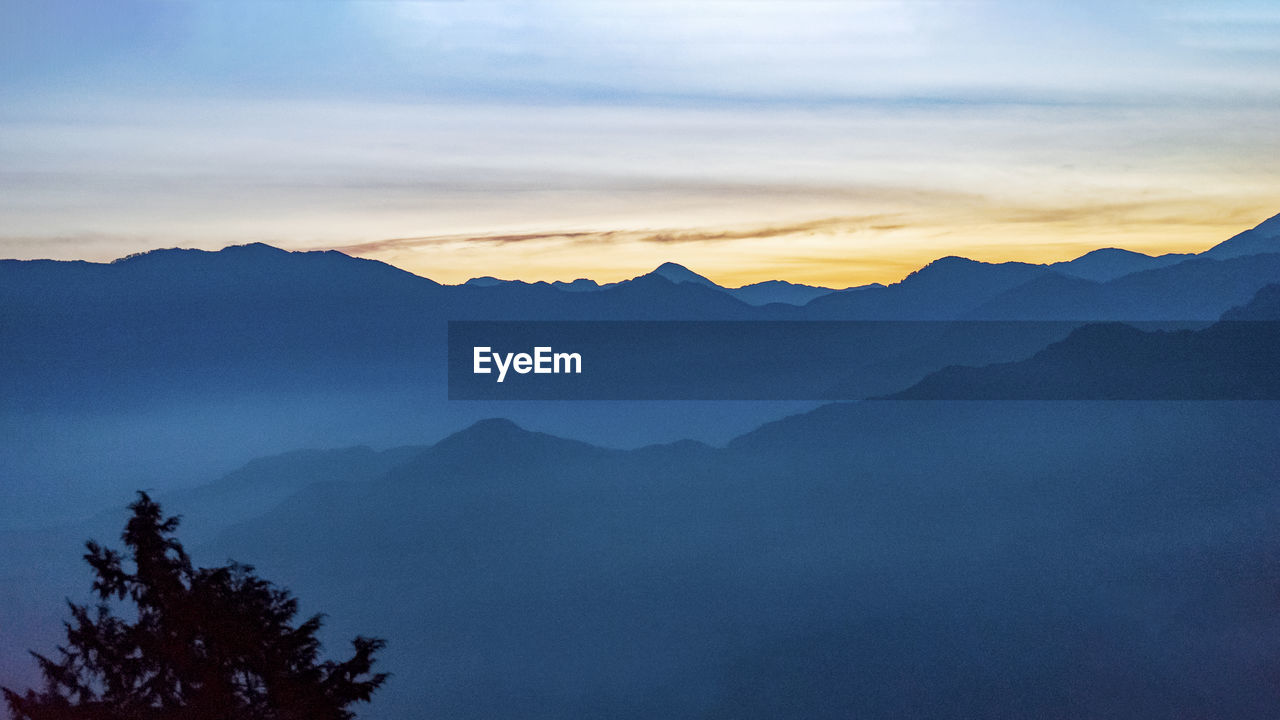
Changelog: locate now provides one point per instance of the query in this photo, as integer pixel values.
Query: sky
(825, 142)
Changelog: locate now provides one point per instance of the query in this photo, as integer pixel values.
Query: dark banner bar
(727, 360)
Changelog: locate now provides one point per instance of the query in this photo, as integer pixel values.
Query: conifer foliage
(203, 644)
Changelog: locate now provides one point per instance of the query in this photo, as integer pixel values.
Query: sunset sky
(826, 142)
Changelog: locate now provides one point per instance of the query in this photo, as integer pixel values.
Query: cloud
(663, 237)
(825, 225)
(1165, 211)
(409, 243)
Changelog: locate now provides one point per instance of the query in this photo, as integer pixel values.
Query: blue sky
(821, 141)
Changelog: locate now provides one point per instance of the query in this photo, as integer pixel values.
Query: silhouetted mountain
(681, 274)
(579, 285)
(762, 293)
(175, 365)
(264, 483)
(1262, 239)
(1195, 289)
(486, 281)
(249, 317)
(1230, 360)
(498, 443)
(1110, 263)
(942, 290)
(254, 350)
(779, 291)
(874, 560)
(1265, 305)
(953, 286)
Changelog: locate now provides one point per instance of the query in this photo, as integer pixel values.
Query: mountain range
(1073, 558)
(1237, 358)
(878, 560)
(957, 280)
(182, 363)
(253, 316)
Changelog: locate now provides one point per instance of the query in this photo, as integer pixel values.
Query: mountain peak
(494, 427)
(1270, 226)
(1111, 252)
(677, 274)
(953, 261)
(1263, 238)
(498, 441)
(255, 249)
(1106, 264)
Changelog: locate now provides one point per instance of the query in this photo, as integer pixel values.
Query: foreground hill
(875, 560)
(872, 560)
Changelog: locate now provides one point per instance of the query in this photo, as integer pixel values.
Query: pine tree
(204, 644)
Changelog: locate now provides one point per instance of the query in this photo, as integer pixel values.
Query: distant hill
(255, 316)
(1265, 305)
(579, 285)
(1260, 240)
(942, 290)
(264, 483)
(780, 291)
(680, 274)
(957, 287)
(1197, 289)
(843, 558)
(1110, 263)
(1237, 358)
(762, 293)
(175, 365)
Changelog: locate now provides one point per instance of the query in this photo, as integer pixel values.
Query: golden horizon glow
(829, 252)
(811, 141)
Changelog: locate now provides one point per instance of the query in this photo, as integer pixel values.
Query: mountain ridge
(1236, 358)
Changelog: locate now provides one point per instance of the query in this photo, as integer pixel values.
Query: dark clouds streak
(665, 237)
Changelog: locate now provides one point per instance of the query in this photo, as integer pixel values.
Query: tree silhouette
(206, 644)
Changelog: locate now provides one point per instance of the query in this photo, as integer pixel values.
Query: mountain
(1237, 358)
(761, 293)
(176, 365)
(864, 560)
(1265, 305)
(579, 285)
(254, 316)
(1197, 289)
(1263, 239)
(1118, 362)
(778, 291)
(942, 290)
(877, 560)
(681, 274)
(173, 366)
(1110, 263)
(486, 281)
(263, 483)
(955, 287)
